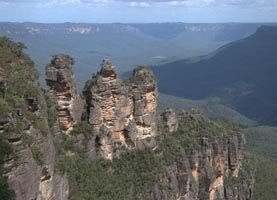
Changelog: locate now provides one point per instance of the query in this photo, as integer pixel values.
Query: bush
(5, 192)
(83, 128)
(51, 111)
(4, 107)
(37, 155)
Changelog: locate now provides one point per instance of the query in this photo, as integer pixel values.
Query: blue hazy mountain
(127, 45)
(241, 74)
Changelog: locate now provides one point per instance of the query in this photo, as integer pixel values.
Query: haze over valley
(128, 45)
(138, 100)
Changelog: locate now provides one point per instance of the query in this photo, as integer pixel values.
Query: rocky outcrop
(122, 113)
(203, 171)
(62, 89)
(30, 169)
(27, 146)
(170, 120)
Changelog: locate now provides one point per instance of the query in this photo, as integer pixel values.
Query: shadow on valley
(241, 74)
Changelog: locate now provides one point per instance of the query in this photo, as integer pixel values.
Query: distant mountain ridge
(126, 44)
(241, 74)
(160, 30)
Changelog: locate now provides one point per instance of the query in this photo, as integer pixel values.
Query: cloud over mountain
(139, 10)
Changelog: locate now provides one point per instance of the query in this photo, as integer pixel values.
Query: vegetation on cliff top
(17, 84)
(135, 172)
(131, 175)
(262, 142)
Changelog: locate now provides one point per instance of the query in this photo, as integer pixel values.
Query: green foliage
(18, 71)
(19, 77)
(51, 111)
(262, 140)
(27, 139)
(266, 179)
(76, 143)
(135, 172)
(37, 154)
(211, 106)
(246, 173)
(41, 125)
(5, 149)
(73, 145)
(83, 128)
(203, 195)
(123, 178)
(4, 107)
(5, 192)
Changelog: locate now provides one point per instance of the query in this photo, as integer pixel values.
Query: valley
(200, 126)
(128, 45)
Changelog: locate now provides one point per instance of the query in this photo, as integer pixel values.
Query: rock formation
(123, 116)
(62, 88)
(31, 168)
(29, 161)
(170, 119)
(203, 171)
(123, 113)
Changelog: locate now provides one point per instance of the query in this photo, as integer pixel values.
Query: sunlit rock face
(123, 113)
(62, 88)
(203, 171)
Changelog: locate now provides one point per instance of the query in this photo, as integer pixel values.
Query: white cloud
(154, 3)
(140, 4)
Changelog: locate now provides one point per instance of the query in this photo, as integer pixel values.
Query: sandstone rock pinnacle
(62, 89)
(122, 113)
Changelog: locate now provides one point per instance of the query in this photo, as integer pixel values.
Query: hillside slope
(211, 107)
(241, 74)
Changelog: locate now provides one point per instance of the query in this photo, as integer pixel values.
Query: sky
(108, 11)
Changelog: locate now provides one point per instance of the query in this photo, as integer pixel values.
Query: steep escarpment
(28, 157)
(122, 113)
(46, 146)
(146, 156)
(207, 164)
(62, 89)
(203, 160)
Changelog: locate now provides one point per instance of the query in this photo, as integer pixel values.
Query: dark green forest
(240, 74)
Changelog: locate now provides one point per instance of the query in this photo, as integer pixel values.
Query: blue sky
(138, 11)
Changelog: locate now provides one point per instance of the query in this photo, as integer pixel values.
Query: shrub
(37, 155)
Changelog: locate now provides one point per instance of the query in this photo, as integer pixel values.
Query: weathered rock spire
(123, 113)
(62, 88)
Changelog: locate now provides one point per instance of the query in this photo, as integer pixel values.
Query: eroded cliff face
(205, 170)
(29, 167)
(62, 89)
(122, 113)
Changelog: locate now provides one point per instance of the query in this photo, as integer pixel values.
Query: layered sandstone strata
(63, 90)
(123, 113)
